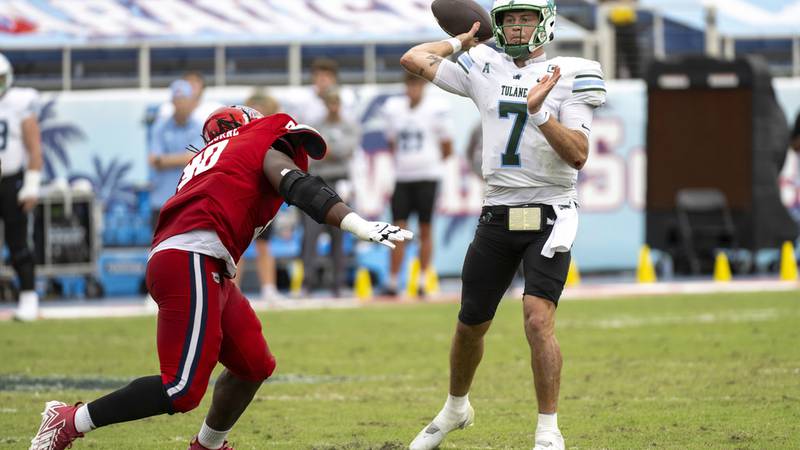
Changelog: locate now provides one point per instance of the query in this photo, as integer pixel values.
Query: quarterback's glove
(380, 232)
(30, 185)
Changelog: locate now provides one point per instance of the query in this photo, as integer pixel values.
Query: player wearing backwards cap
(228, 193)
(536, 114)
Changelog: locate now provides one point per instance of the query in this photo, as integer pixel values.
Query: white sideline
(137, 306)
(614, 290)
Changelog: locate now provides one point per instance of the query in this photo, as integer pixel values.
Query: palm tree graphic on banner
(108, 179)
(55, 138)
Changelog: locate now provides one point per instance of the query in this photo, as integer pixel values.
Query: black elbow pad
(310, 193)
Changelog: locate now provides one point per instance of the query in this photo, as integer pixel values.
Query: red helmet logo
(226, 118)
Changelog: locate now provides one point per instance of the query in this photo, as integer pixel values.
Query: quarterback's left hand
(538, 93)
(380, 232)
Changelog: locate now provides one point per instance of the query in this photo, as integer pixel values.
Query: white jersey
(16, 105)
(519, 165)
(417, 134)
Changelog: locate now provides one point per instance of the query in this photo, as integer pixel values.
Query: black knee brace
(309, 193)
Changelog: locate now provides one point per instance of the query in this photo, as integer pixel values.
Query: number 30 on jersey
(202, 162)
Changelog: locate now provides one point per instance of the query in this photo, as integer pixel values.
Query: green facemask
(538, 38)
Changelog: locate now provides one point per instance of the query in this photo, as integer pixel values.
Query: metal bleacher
(660, 32)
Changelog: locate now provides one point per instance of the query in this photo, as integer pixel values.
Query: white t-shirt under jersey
(519, 165)
(417, 133)
(16, 105)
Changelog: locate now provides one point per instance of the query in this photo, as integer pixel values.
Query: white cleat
(28, 308)
(26, 314)
(549, 440)
(432, 435)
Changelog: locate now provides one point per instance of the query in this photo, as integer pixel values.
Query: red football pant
(202, 318)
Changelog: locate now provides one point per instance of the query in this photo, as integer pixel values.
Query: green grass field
(688, 372)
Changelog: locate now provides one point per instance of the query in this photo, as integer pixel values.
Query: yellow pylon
(296, 280)
(788, 262)
(412, 286)
(722, 268)
(573, 274)
(431, 281)
(645, 272)
(363, 285)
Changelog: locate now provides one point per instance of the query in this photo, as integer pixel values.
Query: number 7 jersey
(516, 154)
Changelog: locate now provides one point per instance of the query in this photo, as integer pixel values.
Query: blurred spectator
(419, 136)
(343, 137)
(265, 262)
(168, 152)
(308, 106)
(203, 109)
(21, 160)
(263, 102)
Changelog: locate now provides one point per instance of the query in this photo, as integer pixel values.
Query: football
(457, 16)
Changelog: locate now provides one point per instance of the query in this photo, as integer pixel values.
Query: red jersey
(224, 189)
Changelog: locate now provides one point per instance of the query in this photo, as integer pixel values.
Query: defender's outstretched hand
(380, 232)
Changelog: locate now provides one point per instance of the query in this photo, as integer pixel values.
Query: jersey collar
(539, 59)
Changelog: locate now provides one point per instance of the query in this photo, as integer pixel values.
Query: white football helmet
(6, 74)
(543, 34)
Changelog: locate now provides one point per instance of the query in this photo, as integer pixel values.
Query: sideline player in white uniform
(419, 136)
(536, 114)
(21, 159)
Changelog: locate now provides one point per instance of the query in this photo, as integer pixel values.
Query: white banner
(101, 135)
